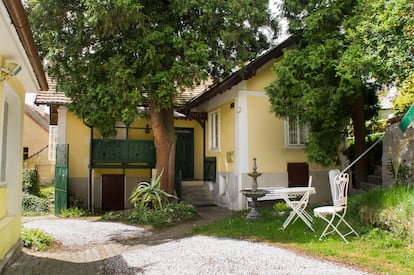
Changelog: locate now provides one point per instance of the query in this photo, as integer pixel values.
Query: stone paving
(90, 259)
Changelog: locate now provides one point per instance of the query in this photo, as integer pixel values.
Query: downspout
(90, 166)
(203, 125)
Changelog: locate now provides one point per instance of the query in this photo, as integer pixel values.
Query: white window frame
(214, 131)
(296, 134)
(53, 135)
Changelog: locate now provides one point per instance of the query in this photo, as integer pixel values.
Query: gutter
(20, 22)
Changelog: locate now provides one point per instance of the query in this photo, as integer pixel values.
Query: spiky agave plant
(150, 194)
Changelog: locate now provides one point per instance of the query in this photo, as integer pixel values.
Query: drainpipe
(90, 189)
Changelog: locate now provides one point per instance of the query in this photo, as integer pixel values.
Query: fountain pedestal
(254, 193)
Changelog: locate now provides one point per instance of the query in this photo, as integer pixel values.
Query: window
(296, 133)
(4, 144)
(53, 133)
(214, 131)
(25, 153)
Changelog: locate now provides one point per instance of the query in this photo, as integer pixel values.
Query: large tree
(308, 85)
(346, 51)
(111, 56)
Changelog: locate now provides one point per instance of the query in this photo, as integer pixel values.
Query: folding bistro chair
(299, 207)
(337, 210)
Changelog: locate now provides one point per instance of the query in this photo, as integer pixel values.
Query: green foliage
(171, 214)
(30, 184)
(35, 239)
(280, 206)
(309, 85)
(73, 212)
(390, 209)
(33, 205)
(405, 97)
(109, 55)
(150, 194)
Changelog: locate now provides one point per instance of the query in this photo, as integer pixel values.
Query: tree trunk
(164, 139)
(358, 118)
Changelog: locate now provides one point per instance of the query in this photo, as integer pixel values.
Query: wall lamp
(12, 69)
(147, 129)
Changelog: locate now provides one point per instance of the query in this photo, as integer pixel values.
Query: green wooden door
(184, 152)
(61, 178)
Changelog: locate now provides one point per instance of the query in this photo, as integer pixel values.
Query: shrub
(168, 215)
(35, 239)
(149, 194)
(73, 212)
(390, 209)
(33, 205)
(30, 184)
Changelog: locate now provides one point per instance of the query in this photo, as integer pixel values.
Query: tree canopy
(110, 56)
(345, 51)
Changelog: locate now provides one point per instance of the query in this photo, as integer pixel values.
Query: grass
(379, 249)
(35, 239)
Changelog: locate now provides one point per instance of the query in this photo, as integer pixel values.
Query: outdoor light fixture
(147, 129)
(12, 69)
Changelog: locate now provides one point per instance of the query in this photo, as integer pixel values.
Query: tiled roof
(51, 97)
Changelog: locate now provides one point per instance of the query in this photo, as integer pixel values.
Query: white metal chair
(302, 204)
(337, 210)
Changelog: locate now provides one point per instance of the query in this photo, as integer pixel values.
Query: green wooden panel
(61, 177)
(123, 151)
(141, 151)
(408, 119)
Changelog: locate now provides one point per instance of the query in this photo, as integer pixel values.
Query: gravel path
(135, 250)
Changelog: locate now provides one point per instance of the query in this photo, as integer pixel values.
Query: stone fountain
(254, 193)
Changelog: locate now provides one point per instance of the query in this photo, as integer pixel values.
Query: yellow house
(241, 127)
(20, 72)
(36, 145)
(219, 131)
(101, 174)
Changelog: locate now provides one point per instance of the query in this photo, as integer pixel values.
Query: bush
(35, 239)
(33, 205)
(30, 184)
(390, 209)
(73, 212)
(169, 215)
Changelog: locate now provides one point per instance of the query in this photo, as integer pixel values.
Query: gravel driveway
(190, 255)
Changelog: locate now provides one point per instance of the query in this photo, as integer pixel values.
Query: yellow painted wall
(225, 157)
(2, 202)
(10, 222)
(262, 78)
(35, 137)
(266, 138)
(78, 138)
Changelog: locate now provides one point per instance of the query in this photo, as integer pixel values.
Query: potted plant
(280, 208)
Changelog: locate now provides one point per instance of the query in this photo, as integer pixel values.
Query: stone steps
(197, 193)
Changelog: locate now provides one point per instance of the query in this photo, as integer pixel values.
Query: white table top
(295, 190)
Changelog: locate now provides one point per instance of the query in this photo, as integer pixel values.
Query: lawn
(378, 250)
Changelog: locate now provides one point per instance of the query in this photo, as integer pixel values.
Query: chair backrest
(341, 190)
(332, 174)
(310, 181)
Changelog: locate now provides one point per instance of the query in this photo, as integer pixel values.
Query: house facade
(36, 145)
(20, 72)
(220, 130)
(241, 127)
(101, 174)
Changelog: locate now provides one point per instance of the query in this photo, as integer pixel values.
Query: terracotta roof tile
(51, 97)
